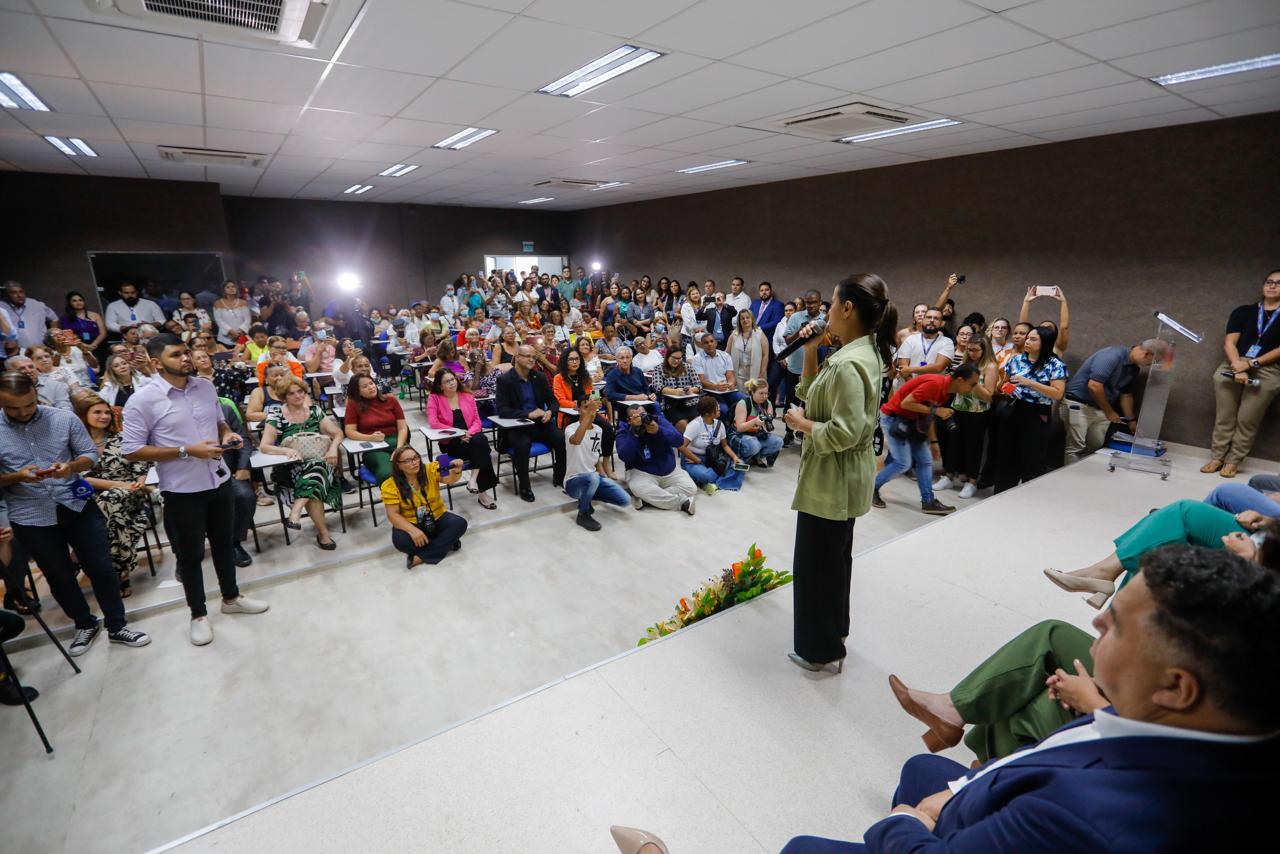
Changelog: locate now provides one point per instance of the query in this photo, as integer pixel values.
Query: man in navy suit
(768, 312)
(1186, 758)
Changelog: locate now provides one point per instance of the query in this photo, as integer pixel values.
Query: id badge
(22, 324)
(1253, 352)
(924, 364)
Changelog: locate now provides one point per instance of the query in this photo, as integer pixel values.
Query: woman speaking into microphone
(837, 465)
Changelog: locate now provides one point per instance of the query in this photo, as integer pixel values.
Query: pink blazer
(440, 414)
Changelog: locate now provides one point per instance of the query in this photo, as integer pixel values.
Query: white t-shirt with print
(582, 458)
(701, 434)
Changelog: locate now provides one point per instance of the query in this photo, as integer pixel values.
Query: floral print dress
(122, 508)
(308, 478)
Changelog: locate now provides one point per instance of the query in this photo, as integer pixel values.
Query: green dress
(1186, 522)
(309, 478)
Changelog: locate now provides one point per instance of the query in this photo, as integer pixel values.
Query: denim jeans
(751, 445)
(590, 485)
(703, 474)
(1236, 497)
(902, 451)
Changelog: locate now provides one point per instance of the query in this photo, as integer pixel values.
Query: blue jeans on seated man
(592, 485)
(749, 446)
(1236, 497)
(703, 474)
(922, 775)
(903, 450)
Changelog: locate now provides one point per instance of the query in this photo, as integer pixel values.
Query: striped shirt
(51, 436)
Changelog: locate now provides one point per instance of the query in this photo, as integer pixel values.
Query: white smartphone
(1046, 290)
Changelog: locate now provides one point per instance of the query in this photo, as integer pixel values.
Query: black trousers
(995, 433)
(1024, 445)
(245, 505)
(11, 625)
(475, 451)
(86, 532)
(518, 442)
(966, 444)
(190, 518)
(822, 566)
(449, 529)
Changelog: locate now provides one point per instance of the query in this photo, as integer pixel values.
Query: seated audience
(318, 354)
(647, 445)
(420, 526)
(84, 323)
(300, 430)
(624, 382)
(374, 416)
(481, 379)
(716, 374)
(644, 358)
(571, 386)
(75, 356)
(586, 478)
(1103, 385)
(753, 437)
(425, 352)
(524, 393)
(246, 496)
(610, 343)
(262, 399)
(50, 390)
(587, 350)
(504, 349)
(679, 386)
(42, 357)
(277, 353)
(1261, 495)
(1039, 379)
(256, 347)
(120, 380)
(446, 358)
(452, 407)
(706, 454)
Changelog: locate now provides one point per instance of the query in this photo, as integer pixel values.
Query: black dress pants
(475, 451)
(1024, 445)
(822, 566)
(518, 442)
(190, 517)
(85, 531)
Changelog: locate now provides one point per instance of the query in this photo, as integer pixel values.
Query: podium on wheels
(1147, 452)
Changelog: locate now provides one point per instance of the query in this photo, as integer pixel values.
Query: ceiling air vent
(566, 184)
(287, 22)
(835, 123)
(210, 157)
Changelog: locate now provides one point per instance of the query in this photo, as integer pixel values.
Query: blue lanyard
(1263, 330)
(927, 349)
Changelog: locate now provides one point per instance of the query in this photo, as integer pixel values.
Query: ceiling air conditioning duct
(566, 184)
(836, 123)
(283, 22)
(210, 156)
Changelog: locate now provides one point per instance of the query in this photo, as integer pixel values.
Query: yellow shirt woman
(417, 498)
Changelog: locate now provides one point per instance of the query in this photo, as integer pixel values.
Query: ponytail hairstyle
(878, 316)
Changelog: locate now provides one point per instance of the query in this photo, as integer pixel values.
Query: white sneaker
(201, 631)
(941, 483)
(244, 605)
(968, 490)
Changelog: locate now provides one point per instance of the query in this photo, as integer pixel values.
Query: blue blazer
(771, 318)
(1136, 794)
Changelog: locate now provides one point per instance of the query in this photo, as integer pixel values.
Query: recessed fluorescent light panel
(463, 138)
(16, 95)
(73, 147)
(1268, 61)
(610, 185)
(916, 128)
(398, 170)
(538, 200)
(602, 70)
(723, 164)
(358, 189)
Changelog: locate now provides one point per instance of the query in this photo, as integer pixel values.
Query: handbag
(717, 460)
(1002, 406)
(312, 446)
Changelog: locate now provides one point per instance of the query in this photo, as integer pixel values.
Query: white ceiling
(391, 77)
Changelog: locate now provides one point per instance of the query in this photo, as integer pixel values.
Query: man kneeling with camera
(910, 423)
(647, 445)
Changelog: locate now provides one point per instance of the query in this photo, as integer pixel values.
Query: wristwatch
(182, 452)
(1253, 363)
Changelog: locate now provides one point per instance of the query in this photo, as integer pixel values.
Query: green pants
(1005, 697)
(1187, 522)
(379, 462)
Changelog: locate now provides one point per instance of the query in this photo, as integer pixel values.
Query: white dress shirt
(740, 301)
(119, 314)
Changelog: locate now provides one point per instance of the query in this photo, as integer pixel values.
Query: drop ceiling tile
(243, 140)
(1246, 108)
(238, 114)
(864, 29)
(335, 125)
(717, 139)
(421, 134)
(643, 157)
(517, 143)
(527, 54)
(809, 148)
(382, 151)
(369, 90)
(1047, 86)
(603, 123)
(1136, 90)
(1061, 18)
(27, 146)
(161, 134)
(234, 72)
(420, 37)
(1246, 45)
(766, 145)
(535, 113)
(296, 163)
(27, 47)
(67, 124)
(64, 94)
(620, 19)
(707, 85)
(846, 157)
(926, 141)
(458, 103)
(721, 28)
(666, 130)
(1013, 141)
(1135, 109)
(307, 146)
(111, 148)
(1190, 24)
(789, 97)
(117, 55)
(968, 43)
(1009, 68)
(1244, 90)
(1197, 114)
(233, 174)
(55, 163)
(661, 70)
(167, 171)
(152, 105)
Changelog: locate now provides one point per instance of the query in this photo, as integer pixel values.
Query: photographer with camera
(647, 445)
(910, 421)
(1103, 384)
(753, 437)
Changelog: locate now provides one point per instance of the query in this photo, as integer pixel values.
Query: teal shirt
(837, 464)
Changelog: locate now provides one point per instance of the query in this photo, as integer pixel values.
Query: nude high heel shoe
(1097, 600)
(631, 840)
(1080, 584)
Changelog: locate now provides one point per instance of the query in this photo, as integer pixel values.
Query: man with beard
(28, 319)
(132, 310)
(927, 351)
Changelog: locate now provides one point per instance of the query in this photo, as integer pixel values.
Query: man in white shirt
(645, 358)
(585, 478)
(449, 304)
(29, 319)
(714, 368)
(927, 351)
(132, 310)
(737, 297)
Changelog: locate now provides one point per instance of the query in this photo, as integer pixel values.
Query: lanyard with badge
(924, 362)
(1256, 350)
(22, 324)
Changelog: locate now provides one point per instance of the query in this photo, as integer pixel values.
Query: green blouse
(837, 465)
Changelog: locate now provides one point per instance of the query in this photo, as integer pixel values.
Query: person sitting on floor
(1188, 659)
(647, 445)
(453, 407)
(706, 454)
(586, 478)
(420, 526)
(753, 437)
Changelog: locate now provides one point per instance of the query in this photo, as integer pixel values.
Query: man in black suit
(720, 318)
(524, 393)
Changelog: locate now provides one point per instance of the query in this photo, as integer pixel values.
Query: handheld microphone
(818, 325)
(1252, 381)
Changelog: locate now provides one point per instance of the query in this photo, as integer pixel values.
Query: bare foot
(417, 561)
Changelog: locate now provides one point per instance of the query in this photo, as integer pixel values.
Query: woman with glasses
(187, 305)
(421, 528)
(1039, 380)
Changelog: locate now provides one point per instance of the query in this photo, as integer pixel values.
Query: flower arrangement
(742, 581)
